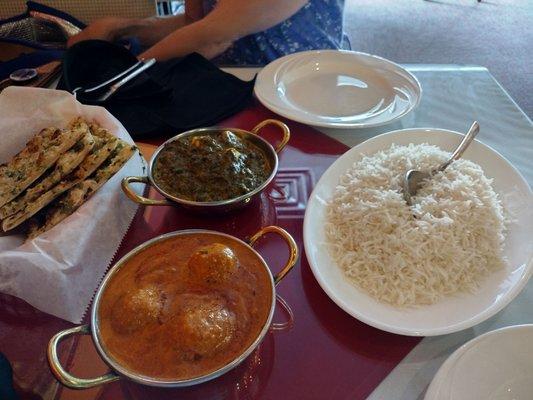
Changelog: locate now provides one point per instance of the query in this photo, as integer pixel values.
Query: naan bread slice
(84, 170)
(64, 206)
(103, 148)
(70, 201)
(40, 153)
(100, 131)
(110, 167)
(64, 165)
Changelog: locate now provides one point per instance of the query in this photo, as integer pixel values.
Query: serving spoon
(414, 179)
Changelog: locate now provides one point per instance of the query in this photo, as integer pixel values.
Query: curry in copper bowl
(181, 309)
(211, 169)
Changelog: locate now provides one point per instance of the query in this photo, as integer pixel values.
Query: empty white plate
(495, 366)
(338, 89)
(452, 313)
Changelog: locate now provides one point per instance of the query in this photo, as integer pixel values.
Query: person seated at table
(231, 32)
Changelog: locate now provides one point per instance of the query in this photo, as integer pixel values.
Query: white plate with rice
(453, 266)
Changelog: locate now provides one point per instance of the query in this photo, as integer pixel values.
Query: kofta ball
(136, 309)
(206, 325)
(212, 264)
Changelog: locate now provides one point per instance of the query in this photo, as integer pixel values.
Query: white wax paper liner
(59, 271)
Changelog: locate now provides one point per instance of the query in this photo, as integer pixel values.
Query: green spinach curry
(211, 167)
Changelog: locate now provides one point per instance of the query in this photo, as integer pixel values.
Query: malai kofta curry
(185, 306)
(210, 167)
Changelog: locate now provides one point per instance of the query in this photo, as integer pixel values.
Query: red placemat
(327, 354)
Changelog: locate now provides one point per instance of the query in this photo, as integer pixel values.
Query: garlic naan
(70, 201)
(40, 153)
(64, 165)
(83, 171)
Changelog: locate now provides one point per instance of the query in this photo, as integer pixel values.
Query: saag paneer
(210, 167)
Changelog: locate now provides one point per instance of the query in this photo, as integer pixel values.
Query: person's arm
(148, 30)
(229, 21)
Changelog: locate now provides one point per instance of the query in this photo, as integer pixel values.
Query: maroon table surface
(326, 354)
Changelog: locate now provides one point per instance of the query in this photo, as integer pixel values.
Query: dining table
(323, 353)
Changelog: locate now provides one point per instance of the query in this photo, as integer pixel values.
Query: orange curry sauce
(184, 306)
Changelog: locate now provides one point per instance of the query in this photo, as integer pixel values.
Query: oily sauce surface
(185, 306)
(211, 167)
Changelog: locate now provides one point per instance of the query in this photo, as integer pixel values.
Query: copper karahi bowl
(120, 371)
(212, 206)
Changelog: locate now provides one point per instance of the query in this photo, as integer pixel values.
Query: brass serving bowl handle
(140, 199)
(293, 249)
(282, 326)
(293, 257)
(284, 128)
(61, 374)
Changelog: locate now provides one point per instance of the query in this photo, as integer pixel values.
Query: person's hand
(104, 29)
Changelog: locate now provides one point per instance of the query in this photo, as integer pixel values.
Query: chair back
(86, 11)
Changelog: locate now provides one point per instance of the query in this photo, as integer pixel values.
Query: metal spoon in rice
(415, 179)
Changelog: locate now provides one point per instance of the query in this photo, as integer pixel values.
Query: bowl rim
(151, 381)
(214, 204)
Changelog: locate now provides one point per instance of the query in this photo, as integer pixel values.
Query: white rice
(454, 242)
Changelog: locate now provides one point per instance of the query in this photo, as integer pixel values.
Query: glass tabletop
(453, 96)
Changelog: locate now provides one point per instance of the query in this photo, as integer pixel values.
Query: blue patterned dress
(317, 25)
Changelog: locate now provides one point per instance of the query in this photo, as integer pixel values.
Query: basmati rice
(447, 242)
